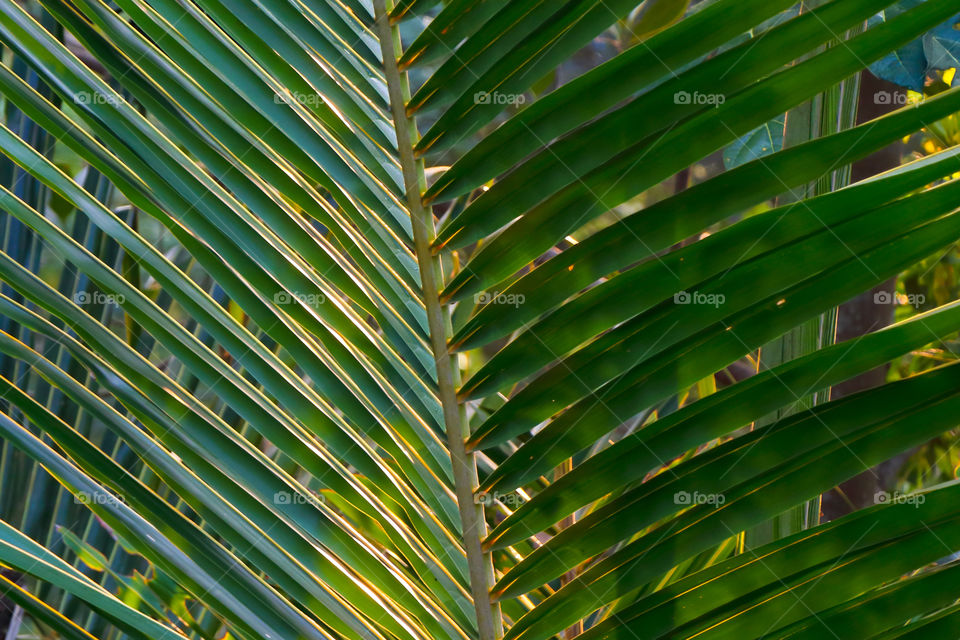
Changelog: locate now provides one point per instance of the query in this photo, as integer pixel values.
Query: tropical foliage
(349, 319)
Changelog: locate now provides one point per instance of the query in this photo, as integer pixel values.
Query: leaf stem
(489, 624)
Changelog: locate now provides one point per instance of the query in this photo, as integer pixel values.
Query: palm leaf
(266, 394)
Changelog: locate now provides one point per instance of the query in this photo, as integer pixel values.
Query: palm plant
(252, 397)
